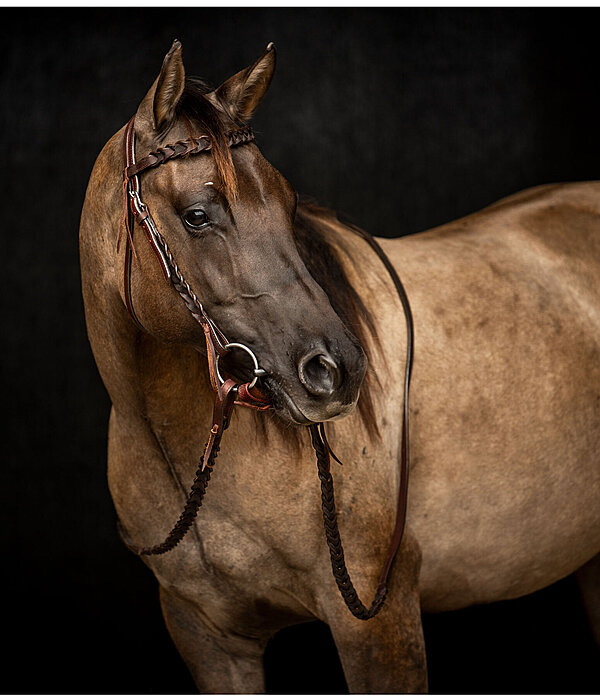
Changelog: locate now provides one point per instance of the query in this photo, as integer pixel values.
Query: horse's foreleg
(219, 662)
(588, 578)
(387, 653)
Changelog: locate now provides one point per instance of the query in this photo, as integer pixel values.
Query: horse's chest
(239, 572)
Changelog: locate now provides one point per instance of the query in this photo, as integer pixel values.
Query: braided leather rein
(228, 393)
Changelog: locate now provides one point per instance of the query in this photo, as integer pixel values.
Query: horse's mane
(311, 226)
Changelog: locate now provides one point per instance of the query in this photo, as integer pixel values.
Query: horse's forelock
(201, 118)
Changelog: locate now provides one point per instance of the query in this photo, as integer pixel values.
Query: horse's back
(506, 394)
(558, 224)
(559, 227)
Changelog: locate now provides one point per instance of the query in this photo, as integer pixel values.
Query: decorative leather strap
(410, 351)
(332, 535)
(184, 148)
(134, 210)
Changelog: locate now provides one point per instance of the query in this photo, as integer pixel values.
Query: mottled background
(402, 119)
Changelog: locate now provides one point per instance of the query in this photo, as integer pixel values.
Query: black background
(400, 118)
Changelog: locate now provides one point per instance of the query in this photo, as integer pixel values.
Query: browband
(181, 148)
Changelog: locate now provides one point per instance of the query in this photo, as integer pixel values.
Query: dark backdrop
(400, 118)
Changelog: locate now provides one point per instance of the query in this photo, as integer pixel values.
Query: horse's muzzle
(326, 386)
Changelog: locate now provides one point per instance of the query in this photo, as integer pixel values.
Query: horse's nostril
(319, 373)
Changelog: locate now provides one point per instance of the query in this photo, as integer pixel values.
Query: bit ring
(258, 372)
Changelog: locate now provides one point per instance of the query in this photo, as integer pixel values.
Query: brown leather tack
(228, 394)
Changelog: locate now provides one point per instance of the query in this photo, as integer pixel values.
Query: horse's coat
(505, 479)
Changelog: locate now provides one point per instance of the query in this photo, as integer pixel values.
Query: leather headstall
(135, 210)
(227, 392)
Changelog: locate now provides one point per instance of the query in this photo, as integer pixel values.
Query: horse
(504, 405)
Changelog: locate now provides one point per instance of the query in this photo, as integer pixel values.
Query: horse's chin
(290, 411)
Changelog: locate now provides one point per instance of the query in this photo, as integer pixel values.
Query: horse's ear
(242, 93)
(169, 87)
(158, 107)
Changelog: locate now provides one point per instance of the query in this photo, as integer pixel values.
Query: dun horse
(505, 398)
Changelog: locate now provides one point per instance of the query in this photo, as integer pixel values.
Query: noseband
(229, 394)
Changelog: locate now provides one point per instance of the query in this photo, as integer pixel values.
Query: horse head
(228, 217)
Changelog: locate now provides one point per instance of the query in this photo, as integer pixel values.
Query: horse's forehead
(254, 171)
(188, 170)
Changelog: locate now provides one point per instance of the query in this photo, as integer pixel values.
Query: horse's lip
(280, 395)
(290, 408)
(295, 413)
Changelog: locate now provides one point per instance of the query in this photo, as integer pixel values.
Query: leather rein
(228, 393)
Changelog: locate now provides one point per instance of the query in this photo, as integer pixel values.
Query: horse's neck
(164, 388)
(387, 349)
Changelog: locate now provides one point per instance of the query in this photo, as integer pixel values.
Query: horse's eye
(195, 218)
